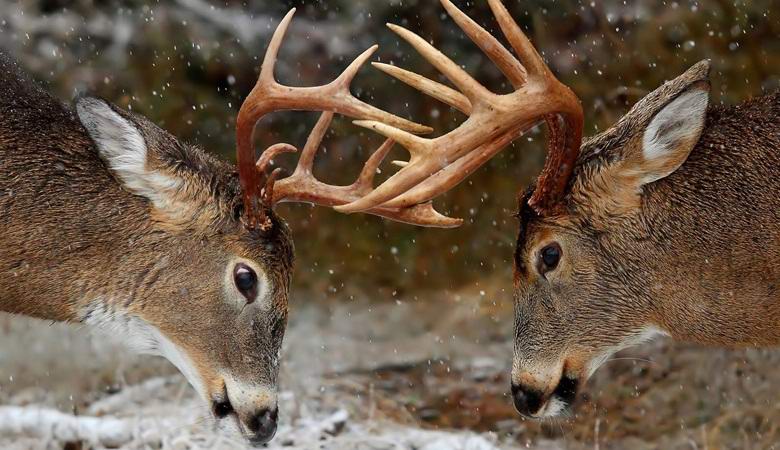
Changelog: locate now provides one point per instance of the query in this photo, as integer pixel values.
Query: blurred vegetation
(187, 64)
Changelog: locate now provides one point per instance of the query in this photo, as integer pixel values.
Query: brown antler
(261, 191)
(302, 186)
(438, 164)
(268, 96)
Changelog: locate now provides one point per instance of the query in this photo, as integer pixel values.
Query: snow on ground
(423, 375)
(59, 384)
(181, 426)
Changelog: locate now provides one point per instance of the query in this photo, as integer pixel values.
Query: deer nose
(262, 425)
(527, 401)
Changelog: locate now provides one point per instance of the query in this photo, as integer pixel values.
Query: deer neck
(65, 224)
(714, 231)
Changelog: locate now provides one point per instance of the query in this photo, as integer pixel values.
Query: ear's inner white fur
(122, 146)
(672, 134)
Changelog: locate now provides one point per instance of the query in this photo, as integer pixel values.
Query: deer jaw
(245, 396)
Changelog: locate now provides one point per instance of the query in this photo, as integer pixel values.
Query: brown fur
(695, 254)
(73, 241)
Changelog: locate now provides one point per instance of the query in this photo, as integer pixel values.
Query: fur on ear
(650, 142)
(122, 146)
(672, 133)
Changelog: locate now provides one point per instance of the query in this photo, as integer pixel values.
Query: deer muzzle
(543, 392)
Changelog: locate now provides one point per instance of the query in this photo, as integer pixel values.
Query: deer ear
(671, 135)
(121, 143)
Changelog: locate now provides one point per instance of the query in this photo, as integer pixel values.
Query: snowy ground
(427, 375)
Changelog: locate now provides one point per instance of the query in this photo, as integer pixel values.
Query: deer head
(586, 272)
(199, 287)
(589, 264)
(580, 292)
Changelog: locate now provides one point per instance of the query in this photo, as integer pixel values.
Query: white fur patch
(249, 397)
(140, 337)
(123, 148)
(552, 408)
(645, 335)
(681, 121)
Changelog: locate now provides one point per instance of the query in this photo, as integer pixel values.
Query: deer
(137, 224)
(109, 222)
(665, 224)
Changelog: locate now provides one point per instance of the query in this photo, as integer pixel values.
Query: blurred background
(188, 64)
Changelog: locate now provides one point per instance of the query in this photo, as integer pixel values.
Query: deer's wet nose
(262, 426)
(527, 401)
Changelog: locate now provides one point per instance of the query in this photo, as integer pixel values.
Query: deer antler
(438, 164)
(261, 191)
(302, 186)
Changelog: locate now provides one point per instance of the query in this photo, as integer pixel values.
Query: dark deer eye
(246, 281)
(549, 258)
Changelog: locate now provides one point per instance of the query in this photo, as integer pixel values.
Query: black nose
(263, 426)
(527, 401)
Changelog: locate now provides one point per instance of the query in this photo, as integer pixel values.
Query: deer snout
(262, 426)
(533, 403)
(250, 406)
(543, 393)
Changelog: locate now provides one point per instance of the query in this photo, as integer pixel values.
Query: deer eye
(549, 257)
(246, 281)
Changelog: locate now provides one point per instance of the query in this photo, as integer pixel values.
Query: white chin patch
(249, 396)
(645, 335)
(553, 408)
(140, 337)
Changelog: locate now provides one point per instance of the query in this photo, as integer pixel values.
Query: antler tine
(467, 85)
(346, 77)
(365, 181)
(272, 152)
(501, 57)
(306, 162)
(532, 62)
(416, 145)
(268, 95)
(268, 190)
(272, 52)
(423, 215)
(495, 120)
(428, 87)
